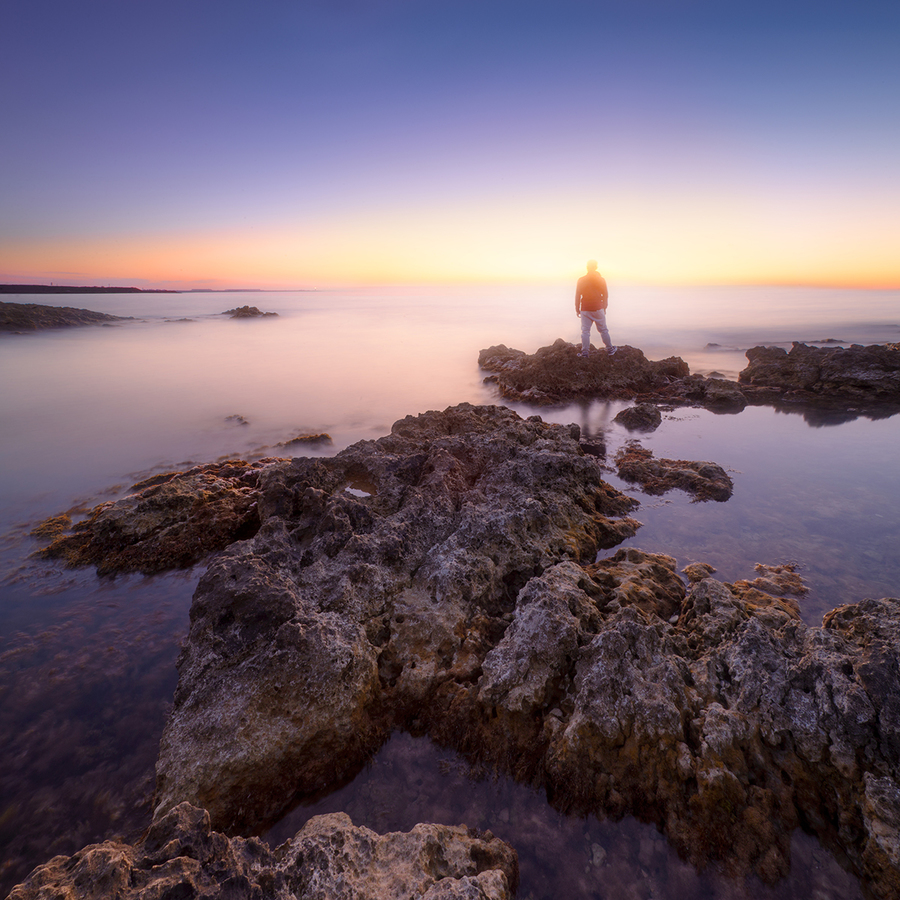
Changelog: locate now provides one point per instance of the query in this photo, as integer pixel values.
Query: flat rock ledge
(328, 859)
(864, 379)
(454, 593)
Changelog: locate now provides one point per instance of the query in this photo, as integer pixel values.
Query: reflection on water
(87, 665)
(825, 499)
(411, 780)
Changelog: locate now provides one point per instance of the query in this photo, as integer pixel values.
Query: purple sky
(292, 143)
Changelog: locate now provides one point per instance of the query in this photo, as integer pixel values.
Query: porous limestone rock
(348, 610)
(456, 593)
(328, 859)
(557, 374)
(804, 374)
(815, 380)
(703, 480)
(167, 521)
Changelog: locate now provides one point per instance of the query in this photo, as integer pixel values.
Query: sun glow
(674, 238)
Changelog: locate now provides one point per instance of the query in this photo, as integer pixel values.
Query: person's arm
(577, 299)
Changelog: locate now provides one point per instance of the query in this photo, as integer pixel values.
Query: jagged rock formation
(329, 859)
(704, 480)
(557, 374)
(866, 378)
(35, 316)
(345, 613)
(459, 599)
(168, 521)
(855, 374)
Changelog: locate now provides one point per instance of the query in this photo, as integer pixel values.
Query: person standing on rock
(591, 298)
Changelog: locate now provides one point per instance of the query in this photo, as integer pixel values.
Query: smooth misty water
(87, 664)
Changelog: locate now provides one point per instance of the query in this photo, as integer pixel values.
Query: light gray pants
(594, 317)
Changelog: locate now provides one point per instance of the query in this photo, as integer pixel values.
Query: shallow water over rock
(412, 780)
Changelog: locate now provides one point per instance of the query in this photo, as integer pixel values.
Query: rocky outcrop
(167, 521)
(459, 598)
(557, 374)
(857, 374)
(703, 480)
(857, 380)
(643, 417)
(34, 317)
(329, 859)
(321, 439)
(247, 312)
(349, 610)
(721, 395)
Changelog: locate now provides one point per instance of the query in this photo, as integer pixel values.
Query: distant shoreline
(80, 289)
(76, 289)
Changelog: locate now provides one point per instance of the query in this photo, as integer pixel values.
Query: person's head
(592, 265)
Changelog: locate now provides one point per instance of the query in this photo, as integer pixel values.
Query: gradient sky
(267, 143)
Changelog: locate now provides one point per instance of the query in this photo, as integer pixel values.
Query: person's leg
(586, 322)
(601, 327)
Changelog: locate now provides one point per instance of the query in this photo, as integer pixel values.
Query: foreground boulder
(329, 858)
(377, 576)
(866, 375)
(455, 593)
(168, 521)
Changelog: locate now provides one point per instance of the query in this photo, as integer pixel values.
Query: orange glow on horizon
(650, 240)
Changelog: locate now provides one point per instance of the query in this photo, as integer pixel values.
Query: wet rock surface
(35, 316)
(329, 858)
(703, 480)
(459, 599)
(169, 521)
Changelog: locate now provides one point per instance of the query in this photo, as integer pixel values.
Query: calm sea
(87, 664)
